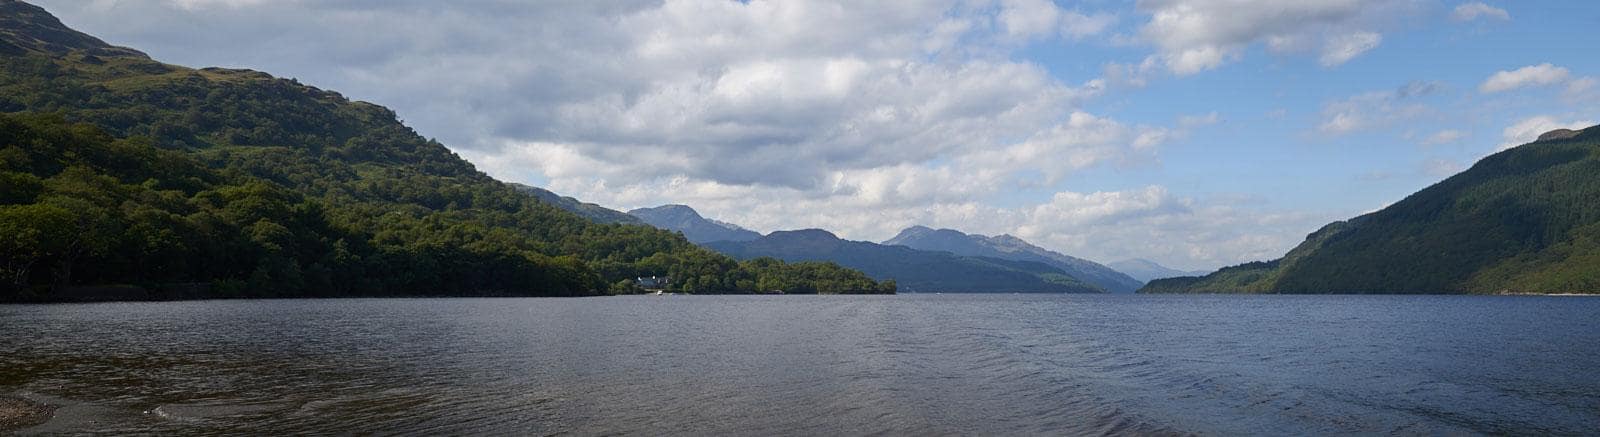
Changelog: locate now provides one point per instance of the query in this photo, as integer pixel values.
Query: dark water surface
(911, 364)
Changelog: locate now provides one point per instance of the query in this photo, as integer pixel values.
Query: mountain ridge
(698, 229)
(597, 213)
(1010, 247)
(912, 270)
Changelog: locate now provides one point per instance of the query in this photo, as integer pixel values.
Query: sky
(1194, 133)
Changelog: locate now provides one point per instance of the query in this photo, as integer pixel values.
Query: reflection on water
(950, 364)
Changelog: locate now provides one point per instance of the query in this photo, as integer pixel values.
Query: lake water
(828, 365)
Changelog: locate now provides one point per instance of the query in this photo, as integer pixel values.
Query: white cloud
(1030, 17)
(1025, 19)
(1373, 110)
(1528, 129)
(1152, 221)
(1198, 35)
(1343, 48)
(1444, 137)
(1532, 75)
(1476, 10)
(862, 117)
(1191, 121)
(1077, 25)
(1578, 88)
(1441, 168)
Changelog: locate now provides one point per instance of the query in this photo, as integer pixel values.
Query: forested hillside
(149, 180)
(1525, 220)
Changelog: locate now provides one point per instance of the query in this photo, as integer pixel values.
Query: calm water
(951, 364)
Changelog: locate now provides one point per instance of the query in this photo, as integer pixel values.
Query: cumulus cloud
(1477, 10)
(1198, 35)
(1444, 137)
(1077, 25)
(1441, 168)
(1199, 120)
(861, 117)
(1532, 75)
(1343, 48)
(1528, 129)
(1375, 109)
(1580, 88)
(1026, 19)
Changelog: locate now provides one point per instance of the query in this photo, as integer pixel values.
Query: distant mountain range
(589, 211)
(697, 229)
(913, 270)
(1012, 248)
(1525, 220)
(1146, 270)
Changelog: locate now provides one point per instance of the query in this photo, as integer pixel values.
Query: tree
(29, 235)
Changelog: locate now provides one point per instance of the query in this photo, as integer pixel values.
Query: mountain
(589, 211)
(1147, 270)
(912, 270)
(1013, 248)
(1524, 220)
(697, 229)
(127, 178)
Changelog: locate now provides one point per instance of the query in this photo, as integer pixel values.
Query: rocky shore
(17, 413)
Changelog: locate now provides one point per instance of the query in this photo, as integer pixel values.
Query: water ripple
(813, 365)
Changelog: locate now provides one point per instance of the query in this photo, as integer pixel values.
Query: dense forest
(1525, 220)
(122, 177)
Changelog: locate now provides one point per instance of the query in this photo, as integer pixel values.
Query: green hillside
(122, 177)
(1526, 220)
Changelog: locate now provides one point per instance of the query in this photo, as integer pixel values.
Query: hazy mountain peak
(1010, 247)
(677, 208)
(923, 233)
(674, 211)
(914, 270)
(808, 234)
(589, 211)
(915, 230)
(1147, 270)
(695, 227)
